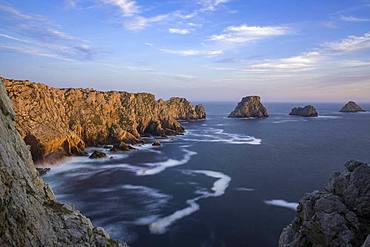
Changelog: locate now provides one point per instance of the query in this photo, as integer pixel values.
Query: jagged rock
(337, 216)
(97, 155)
(156, 143)
(121, 147)
(307, 111)
(249, 106)
(29, 213)
(58, 122)
(351, 106)
(42, 171)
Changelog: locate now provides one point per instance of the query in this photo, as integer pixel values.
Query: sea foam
(282, 203)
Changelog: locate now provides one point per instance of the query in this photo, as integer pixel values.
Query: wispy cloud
(354, 19)
(245, 33)
(302, 62)
(191, 52)
(127, 7)
(181, 31)
(140, 22)
(210, 5)
(351, 43)
(18, 14)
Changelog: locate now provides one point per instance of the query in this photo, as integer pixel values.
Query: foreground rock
(58, 122)
(337, 216)
(307, 111)
(97, 155)
(156, 143)
(249, 107)
(29, 213)
(351, 107)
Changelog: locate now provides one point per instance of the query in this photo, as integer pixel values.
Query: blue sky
(205, 50)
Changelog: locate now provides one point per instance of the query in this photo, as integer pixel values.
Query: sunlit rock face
(336, 216)
(58, 122)
(29, 213)
(351, 106)
(249, 107)
(307, 111)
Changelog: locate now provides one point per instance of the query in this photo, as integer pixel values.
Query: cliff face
(249, 106)
(337, 216)
(57, 122)
(29, 214)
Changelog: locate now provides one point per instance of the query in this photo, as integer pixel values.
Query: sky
(204, 50)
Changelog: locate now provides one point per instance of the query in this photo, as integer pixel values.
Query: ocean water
(226, 182)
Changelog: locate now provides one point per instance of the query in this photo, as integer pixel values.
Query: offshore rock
(351, 106)
(307, 111)
(29, 213)
(249, 107)
(336, 216)
(58, 122)
(97, 155)
(156, 143)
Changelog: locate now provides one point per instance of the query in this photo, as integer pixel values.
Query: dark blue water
(227, 182)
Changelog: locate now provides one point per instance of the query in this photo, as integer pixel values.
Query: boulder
(351, 106)
(42, 171)
(249, 107)
(156, 143)
(97, 155)
(336, 216)
(121, 147)
(307, 111)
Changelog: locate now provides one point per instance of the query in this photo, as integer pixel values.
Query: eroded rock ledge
(336, 216)
(29, 214)
(58, 122)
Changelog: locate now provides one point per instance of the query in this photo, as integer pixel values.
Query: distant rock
(351, 106)
(156, 143)
(97, 155)
(307, 111)
(121, 147)
(336, 216)
(249, 106)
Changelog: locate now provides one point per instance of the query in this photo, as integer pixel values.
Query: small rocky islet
(249, 107)
(307, 111)
(351, 106)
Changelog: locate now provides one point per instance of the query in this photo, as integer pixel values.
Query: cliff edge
(336, 216)
(29, 214)
(58, 122)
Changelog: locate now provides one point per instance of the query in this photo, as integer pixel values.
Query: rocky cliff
(307, 111)
(351, 107)
(336, 216)
(249, 107)
(29, 214)
(57, 122)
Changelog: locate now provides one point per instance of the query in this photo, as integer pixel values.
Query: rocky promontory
(337, 216)
(29, 213)
(351, 106)
(57, 122)
(249, 107)
(307, 111)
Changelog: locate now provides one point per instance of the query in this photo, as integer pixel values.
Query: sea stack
(339, 215)
(351, 106)
(249, 107)
(307, 111)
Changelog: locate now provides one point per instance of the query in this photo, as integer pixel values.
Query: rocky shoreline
(62, 122)
(29, 212)
(339, 215)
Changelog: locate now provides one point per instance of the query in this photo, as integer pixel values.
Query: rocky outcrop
(351, 106)
(97, 155)
(336, 216)
(58, 122)
(249, 107)
(29, 213)
(307, 111)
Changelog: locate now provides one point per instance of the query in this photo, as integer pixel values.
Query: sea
(225, 182)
